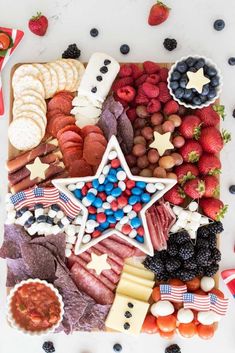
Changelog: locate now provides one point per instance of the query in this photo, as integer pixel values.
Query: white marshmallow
(206, 317)
(185, 316)
(207, 283)
(184, 215)
(112, 155)
(204, 220)
(192, 233)
(86, 238)
(68, 252)
(193, 206)
(162, 308)
(195, 216)
(177, 210)
(193, 225)
(151, 188)
(72, 187)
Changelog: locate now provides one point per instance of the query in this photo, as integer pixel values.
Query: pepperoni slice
(66, 94)
(60, 102)
(96, 137)
(91, 128)
(51, 123)
(52, 113)
(70, 136)
(80, 168)
(70, 144)
(71, 154)
(93, 153)
(61, 122)
(74, 128)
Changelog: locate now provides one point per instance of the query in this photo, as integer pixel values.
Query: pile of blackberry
(72, 52)
(185, 260)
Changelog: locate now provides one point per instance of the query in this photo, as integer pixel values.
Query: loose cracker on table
(46, 79)
(67, 67)
(28, 82)
(33, 108)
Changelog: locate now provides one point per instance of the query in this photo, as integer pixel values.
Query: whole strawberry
(159, 13)
(194, 188)
(191, 151)
(186, 171)
(38, 24)
(175, 195)
(209, 164)
(213, 208)
(212, 141)
(211, 186)
(208, 116)
(190, 127)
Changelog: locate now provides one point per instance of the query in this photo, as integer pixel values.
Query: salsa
(35, 307)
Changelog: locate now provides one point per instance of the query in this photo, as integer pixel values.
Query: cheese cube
(143, 273)
(143, 281)
(134, 290)
(118, 318)
(135, 263)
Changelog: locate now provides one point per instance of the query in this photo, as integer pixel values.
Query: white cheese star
(161, 142)
(37, 169)
(98, 263)
(197, 80)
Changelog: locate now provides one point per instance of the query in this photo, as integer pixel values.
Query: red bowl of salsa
(35, 307)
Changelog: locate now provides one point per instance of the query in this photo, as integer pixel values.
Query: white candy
(68, 252)
(119, 226)
(132, 214)
(207, 283)
(106, 169)
(132, 233)
(78, 219)
(124, 220)
(127, 208)
(110, 198)
(71, 230)
(177, 210)
(60, 214)
(71, 239)
(10, 207)
(86, 202)
(206, 317)
(11, 215)
(52, 213)
(193, 206)
(91, 223)
(101, 179)
(72, 187)
(195, 216)
(100, 210)
(89, 230)
(162, 308)
(204, 220)
(78, 228)
(122, 185)
(93, 191)
(121, 175)
(185, 316)
(182, 223)
(68, 246)
(80, 185)
(112, 155)
(175, 228)
(106, 205)
(151, 188)
(55, 229)
(159, 186)
(86, 238)
(184, 215)
(193, 225)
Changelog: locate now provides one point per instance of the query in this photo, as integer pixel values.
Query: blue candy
(97, 202)
(112, 178)
(112, 171)
(92, 216)
(90, 196)
(104, 225)
(116, 192)
(136, 191)
(101, 188)
(140, 184)
(133, 199)
(108, 212)
(145, 197)
(95, 183)
(119, 214)
(111, 219)
(78, 194)
(139, 239)
(108, 187)
(135, 222)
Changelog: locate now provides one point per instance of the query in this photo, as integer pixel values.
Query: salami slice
(70, 136)
(115, 266)
(60, 102)
(52, 113)
(110, 253)
(93, 152)
(60, 123)
(89, 129)
(96, 137)
(80, 168)
(119, 249)
(74, 128)
(66, 94)
(70, 155)
(51, 122)
(89, 284)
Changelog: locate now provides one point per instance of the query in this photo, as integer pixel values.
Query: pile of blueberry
(179, 81)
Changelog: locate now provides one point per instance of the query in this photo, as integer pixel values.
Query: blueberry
(211, 71)
(231, 61)
(104, 69)
(94, 89)
(205, 90)
(174, 85)
(117, 347)
(215, 81)
(183, 82)
(99, 78)
(175, 75)
(212, 93)
(199, 64)
(197, 100)
(182, 67)
(188, 94)
(126, 326)
(124, 49)
(107, 62)
(232, 189)
(219, 25)
(233, 114)
(203, 99)
(192, 69)
(94, 32)
(190, 61)
(179, 93)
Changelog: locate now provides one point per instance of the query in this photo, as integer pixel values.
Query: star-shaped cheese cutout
(37, 169)
(98, 263)
(161, 142)
(146, 246)
(197, 80)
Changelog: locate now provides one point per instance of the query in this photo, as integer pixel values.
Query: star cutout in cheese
(161, 142)
(98, 263)
(37, 169)
(197, 80)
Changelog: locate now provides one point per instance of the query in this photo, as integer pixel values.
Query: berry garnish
(94, 32)
(170, 44)
(117, 347)
(231, 61)
(233, 113)
(219, 25)
(38, 24)
(158, 14)
(48, 347)
(232, 189)
(174, 348)
(72, 52)
(124, 49)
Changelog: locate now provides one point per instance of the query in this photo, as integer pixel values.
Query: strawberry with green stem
(213, 208)
(158, 14)
(38, 24)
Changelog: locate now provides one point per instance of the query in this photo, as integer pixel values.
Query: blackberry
(173, 264)
(164, 255)
(212, 241)
(190, 264)
(180, 237)
(186, 275)
(202, 232)
(202, 243)
(154, 264)
(186, 251)
(216, 255)
(48, 347)
(72, 52)
(173, 348)
(203, 256)
(172, 249)
(210, 271)
(200, 271)
(215, 228)
(170, 44)
(162, 276)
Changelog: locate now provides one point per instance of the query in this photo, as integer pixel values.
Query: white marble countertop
(119, 22)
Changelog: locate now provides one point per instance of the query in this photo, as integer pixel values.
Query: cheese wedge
(143, 281)
(134, 290)
(138, 272)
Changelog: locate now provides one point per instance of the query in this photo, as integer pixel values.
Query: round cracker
(25, 70)
(30, 92)
(60, 75)
(46, 79)
(54, 79)
(34, 116)
(67, 67)
(32, 108)
(28, 82)
(80, 69)
(24, 133)
(75, 74)
(27, 99)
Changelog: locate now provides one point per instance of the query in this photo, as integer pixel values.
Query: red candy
(84, 190)
(140, 231)
(122, 201)
(102, 195)
(101, 217)
(92, 210)
(114, 205)
(126, 229)
(115, 163)
(128, 192)
(130, 184)
(89, 184)
(137, 207)
(96, 233)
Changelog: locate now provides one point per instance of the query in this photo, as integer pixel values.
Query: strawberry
(212, 141)
(150, 90)
(171, 107)
(211, 186)
(164, 73)
(153, 106)
(125, 71)
(186, 171)
(136, 71)
(153, 78)
(213, 208)
(190, 126)
(38, 24)
(194, 188)
(208, 116)
(175, 195)
(191, 151)
(158, 14)
(151, 67)
(124, 81)
(164, 94)
(209, 164)
(141, 80)
(126, 93)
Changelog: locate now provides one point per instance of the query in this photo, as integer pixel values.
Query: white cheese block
(135, 262)
(143, 281)
(117, 320)
(138, 272)
(134, 290)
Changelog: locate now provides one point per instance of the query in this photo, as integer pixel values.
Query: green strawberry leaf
(226, 136)
(220, 109)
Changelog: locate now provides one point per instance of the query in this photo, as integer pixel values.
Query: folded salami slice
(120, 249)
(110, 253)
(115, 267)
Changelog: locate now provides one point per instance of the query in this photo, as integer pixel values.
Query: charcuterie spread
(113, 213)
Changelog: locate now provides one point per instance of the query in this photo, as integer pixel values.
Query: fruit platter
(113, 209)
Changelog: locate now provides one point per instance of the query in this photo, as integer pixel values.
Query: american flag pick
(218, 305)
(196, 302)
(46, 196)
(172, 293)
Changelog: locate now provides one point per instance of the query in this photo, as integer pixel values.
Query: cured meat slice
(110, 253)
(89, 129)
(115, 267)
(60, 123)
(89, 284)
(51, 122)
(119, 249)
(152, 231)
(80, 168)
(74, 128)
(93, 153)
(96, 137)
(70, 136)
(61, 102)
(71, 154)
(48, 182)
(66, 94)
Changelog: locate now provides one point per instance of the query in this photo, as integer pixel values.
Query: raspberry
(141, 80)
(154, 106)
(171, 107)
(141, 99)
(124, 81)
(123, 103)
(131, 113)
(126, 93)
(125, 71)
(153, 78)
(163, 74)
(164, 94)
(150, 67)
(150, 90)
(136, 71)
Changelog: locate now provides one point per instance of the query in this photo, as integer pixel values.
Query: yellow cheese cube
(135, 263)
(134, 290)
(126, 314)
(139, 280)
(138, 272)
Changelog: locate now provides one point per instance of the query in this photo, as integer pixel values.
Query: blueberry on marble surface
(231, 61)
(94, 32)
(124, 49)
(219, 25)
